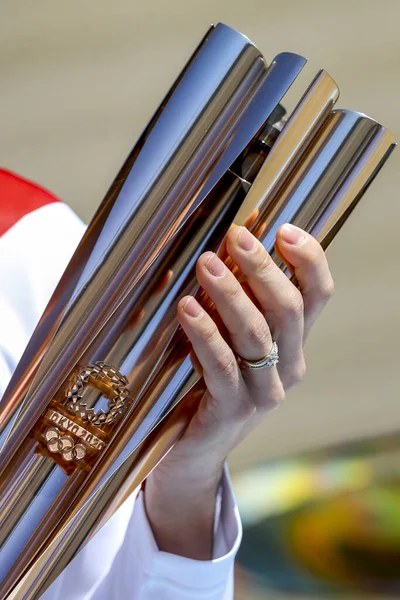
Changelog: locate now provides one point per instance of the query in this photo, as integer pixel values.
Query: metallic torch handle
(106, 385)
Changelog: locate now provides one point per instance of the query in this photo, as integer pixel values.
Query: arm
(180, 495)
(124, 557)
(123, 560)
(168, 540)
(180, 492)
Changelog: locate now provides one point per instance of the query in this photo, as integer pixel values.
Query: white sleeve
(122, 560)
(33, 255)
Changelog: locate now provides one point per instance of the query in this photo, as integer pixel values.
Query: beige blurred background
(80, 79)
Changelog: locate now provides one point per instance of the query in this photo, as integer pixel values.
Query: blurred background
(318, 483)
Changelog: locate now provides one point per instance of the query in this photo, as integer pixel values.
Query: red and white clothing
(38, 236)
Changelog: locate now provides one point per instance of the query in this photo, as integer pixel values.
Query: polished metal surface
(198, 106)
(219, 114)
(174, 198)
(78, 85)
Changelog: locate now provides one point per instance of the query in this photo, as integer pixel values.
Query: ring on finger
(270, 360)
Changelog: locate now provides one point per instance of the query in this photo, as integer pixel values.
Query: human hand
(268, 307)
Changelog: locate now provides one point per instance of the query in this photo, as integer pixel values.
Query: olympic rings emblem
(64, 445)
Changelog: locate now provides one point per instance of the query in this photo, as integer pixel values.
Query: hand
(180, 494)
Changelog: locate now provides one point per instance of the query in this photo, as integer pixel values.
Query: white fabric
(122, 560)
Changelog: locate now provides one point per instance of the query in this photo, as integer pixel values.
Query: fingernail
(193, 308)
(215, 266)
(292, 234)
(245, 240)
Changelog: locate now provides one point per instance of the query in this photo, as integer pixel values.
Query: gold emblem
(108, 380)
(64, 445)
(64, 423)
(73, 432)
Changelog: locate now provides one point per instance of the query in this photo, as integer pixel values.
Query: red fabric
(19, 197)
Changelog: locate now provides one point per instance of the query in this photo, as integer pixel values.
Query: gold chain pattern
(110, 381)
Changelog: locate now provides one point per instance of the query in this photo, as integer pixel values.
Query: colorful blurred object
(328, 523)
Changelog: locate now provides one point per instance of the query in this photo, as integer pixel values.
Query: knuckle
(225, 365)
(294, 310)
(298, 375)
(209, 333)
(327, 291)
(295, 375)
(276, 395)
(233, 292)
(259, 336)
(265, 263)
(266, 399)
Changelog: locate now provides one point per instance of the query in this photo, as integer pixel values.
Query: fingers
(273, 308)
(308, 261)
(235, 394)
(280, 300)
(218, 363)
(248, 330)
(247, 327)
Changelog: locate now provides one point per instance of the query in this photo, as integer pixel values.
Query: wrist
(182, 486)
(194, 462)
(180, 505)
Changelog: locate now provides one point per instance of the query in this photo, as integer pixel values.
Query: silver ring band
(270, 360)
